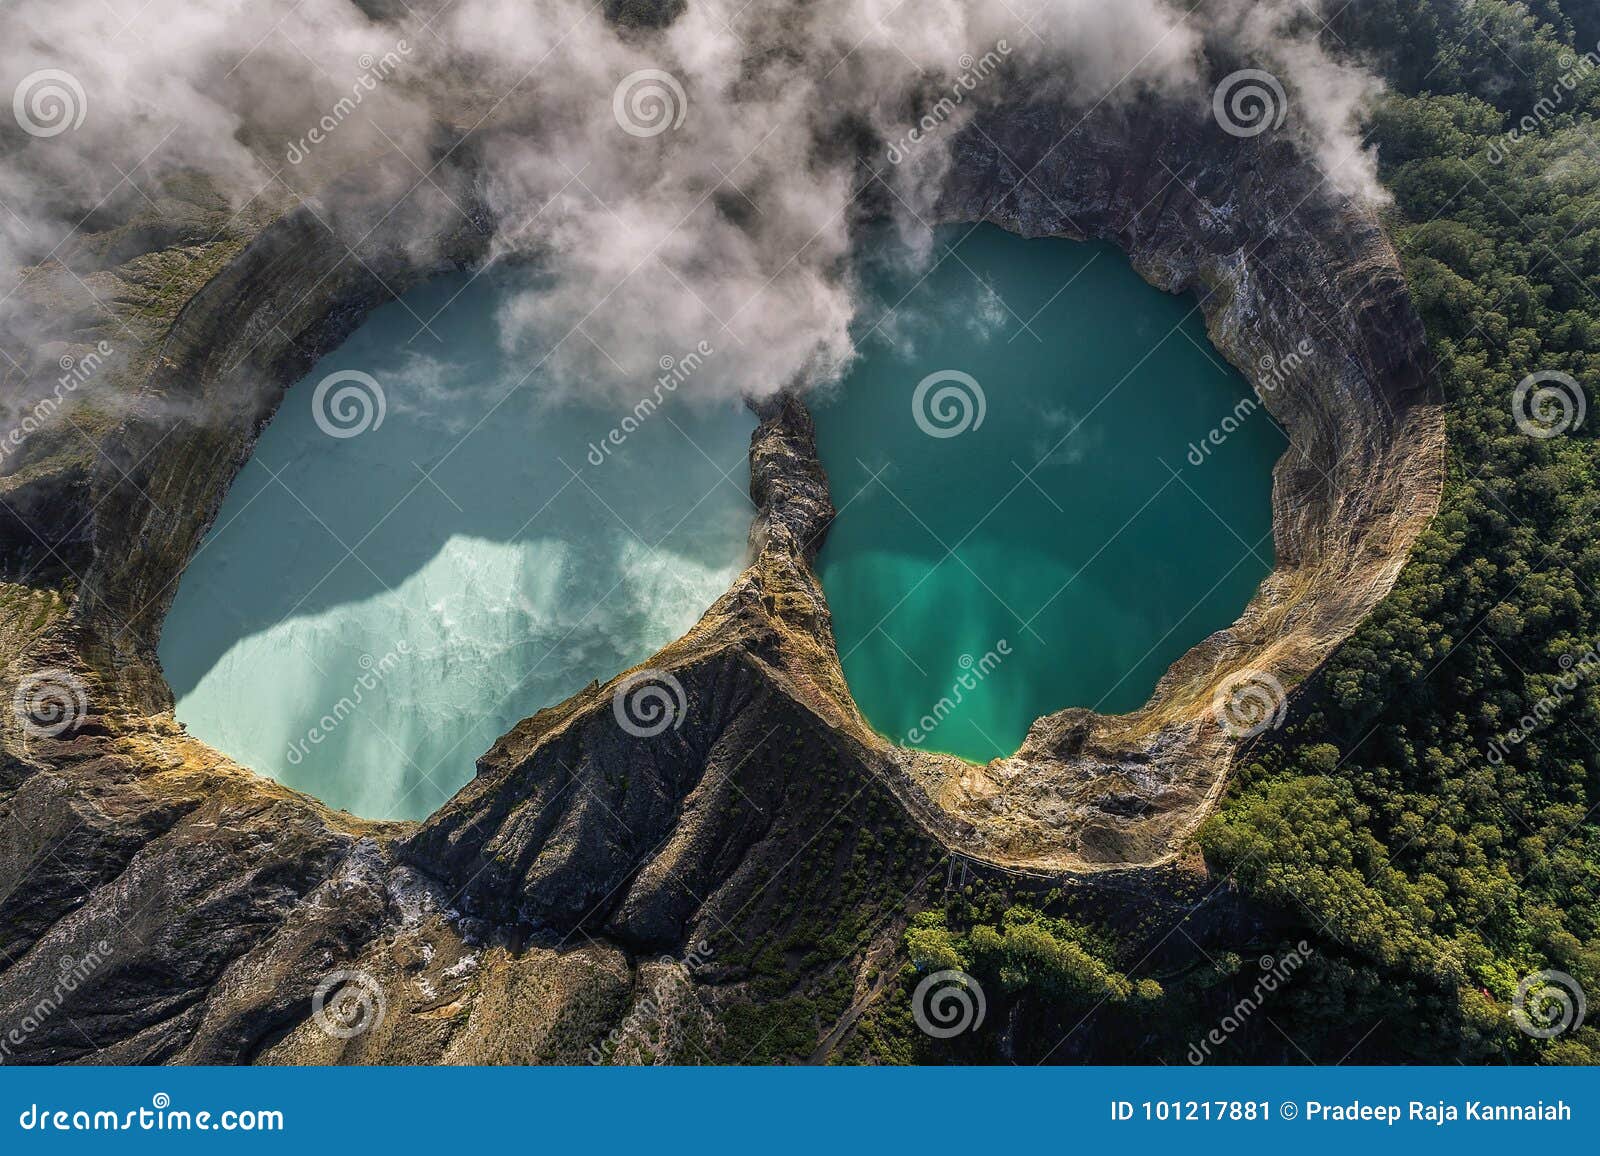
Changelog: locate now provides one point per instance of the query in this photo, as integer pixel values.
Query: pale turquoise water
(1071, 524)
(370, 613)
(423, 616)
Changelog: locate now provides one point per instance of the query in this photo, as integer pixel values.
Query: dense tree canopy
(1430, 810)
(1424, 825)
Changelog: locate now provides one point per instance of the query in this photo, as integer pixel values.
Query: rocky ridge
(517, 923)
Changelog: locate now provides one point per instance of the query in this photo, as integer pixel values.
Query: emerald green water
(1065, 548)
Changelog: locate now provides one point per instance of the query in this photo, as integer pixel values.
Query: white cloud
(734, 227)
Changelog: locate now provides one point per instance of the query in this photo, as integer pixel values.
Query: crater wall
(231, 897)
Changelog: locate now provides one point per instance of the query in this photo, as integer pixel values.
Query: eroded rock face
(518, 923)
(1302, 292)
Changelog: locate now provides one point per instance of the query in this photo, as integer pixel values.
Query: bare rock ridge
(1302, 292)
(513, 924)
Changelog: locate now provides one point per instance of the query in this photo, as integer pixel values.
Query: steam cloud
(711, 198)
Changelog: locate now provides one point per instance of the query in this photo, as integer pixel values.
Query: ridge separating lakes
(370, 613)
(1103, 507)
(505, 555)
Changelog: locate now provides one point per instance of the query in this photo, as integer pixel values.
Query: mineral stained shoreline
(517, 924)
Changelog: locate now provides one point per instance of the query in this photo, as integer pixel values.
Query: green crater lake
(374, 607)
(1037, 526)
(371, 612)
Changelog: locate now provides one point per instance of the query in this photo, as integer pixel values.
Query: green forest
(1407, 820)
(1384, 813)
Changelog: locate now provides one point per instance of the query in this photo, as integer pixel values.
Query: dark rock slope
(160, 904)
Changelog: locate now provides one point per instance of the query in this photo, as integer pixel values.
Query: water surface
(371, 612)
(1064, 548)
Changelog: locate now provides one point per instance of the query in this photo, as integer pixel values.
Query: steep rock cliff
(225, 914)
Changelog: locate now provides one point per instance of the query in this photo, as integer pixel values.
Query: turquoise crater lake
(1033, 513)
(373, 609)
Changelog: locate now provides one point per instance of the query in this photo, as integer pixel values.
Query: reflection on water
(371, 612)
(1067, 518)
